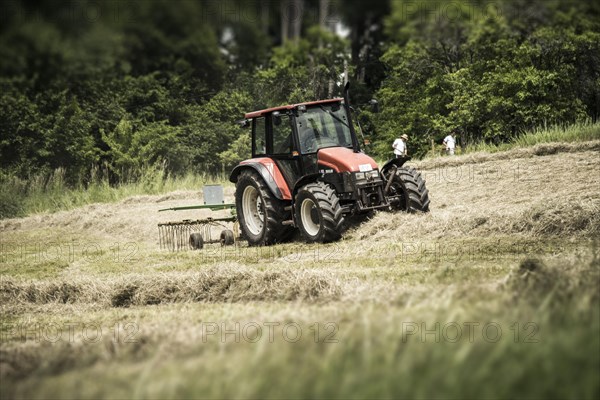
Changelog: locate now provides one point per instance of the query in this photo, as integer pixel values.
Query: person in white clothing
(450, 143)
(399, 146)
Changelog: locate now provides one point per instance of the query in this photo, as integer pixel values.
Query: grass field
(493, 294)
(51, 192)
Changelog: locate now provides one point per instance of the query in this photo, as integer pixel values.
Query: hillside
(511, 243)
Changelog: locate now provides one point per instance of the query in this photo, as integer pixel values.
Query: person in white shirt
(399, 146)
(450, 143)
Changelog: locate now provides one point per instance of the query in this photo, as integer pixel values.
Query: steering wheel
(308, 140)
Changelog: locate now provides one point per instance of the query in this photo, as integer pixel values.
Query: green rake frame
(193, 234)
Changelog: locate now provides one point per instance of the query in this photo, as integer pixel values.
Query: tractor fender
(270, 173)
(303, 181)
(398, 162)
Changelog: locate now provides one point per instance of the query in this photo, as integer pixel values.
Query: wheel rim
(399, 191)
(306, 215)
(254, 215)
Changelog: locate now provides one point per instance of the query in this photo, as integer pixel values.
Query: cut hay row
(216, 284)
(548, 289)
(552, 219)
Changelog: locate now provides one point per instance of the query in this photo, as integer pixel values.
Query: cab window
(282, 134)
(259, 135)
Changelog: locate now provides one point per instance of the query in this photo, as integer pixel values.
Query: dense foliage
(129, 85)
(489, 72)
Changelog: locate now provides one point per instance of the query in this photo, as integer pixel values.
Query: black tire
(271, 230)
(227, 238)
(410, 186)
(196, 241)
(319, 213)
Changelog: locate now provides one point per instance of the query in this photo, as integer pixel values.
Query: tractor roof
(260, 113)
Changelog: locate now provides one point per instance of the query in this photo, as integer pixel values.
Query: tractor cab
(303, 127)
(294, 135)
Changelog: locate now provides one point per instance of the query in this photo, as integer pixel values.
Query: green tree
(134, 146)
(489, 77)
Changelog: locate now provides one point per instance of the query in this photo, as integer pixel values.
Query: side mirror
(276, 118)
(374, 106)
(243, 123)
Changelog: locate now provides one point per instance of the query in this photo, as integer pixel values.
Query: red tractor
(308, 172)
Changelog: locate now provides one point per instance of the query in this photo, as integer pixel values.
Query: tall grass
(51, 192)
(578, 132)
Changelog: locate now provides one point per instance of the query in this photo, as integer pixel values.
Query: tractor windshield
(323, 126)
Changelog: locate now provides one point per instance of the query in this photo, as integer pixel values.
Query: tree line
(135, 84)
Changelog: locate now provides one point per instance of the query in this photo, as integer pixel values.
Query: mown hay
(229, 284)
(545, 285)
(558, 218)
(553, 219)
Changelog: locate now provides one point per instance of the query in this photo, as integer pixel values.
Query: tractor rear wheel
(319, 213)
(260, 213)
(409, 186)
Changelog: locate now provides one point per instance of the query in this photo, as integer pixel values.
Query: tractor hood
(342, 159)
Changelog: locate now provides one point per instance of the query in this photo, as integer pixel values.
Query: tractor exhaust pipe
(347, 93)
(355, 145)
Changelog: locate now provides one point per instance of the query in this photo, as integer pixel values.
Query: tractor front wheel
(319, 213)
(260, 213)
(409, 191)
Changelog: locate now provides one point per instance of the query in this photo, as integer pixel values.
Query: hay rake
(194, 234)
(183, 235)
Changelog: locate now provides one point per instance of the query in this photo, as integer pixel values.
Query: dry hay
(132, 219)
(553, 219)
(550, 196)
(215, 284)
(554, 283)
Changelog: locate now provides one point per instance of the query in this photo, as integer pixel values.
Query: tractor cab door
(259, 137)
(282, 146)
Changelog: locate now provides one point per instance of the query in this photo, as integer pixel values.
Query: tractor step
(290, 222)
(287, 208)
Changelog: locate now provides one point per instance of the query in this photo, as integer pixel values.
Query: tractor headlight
(372, 175)
(369, 175)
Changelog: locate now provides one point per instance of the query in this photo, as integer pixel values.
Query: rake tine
(166, 237)
(173, 237)
(160, 237)
(181, 228)
(184, 229)
(181, 235)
